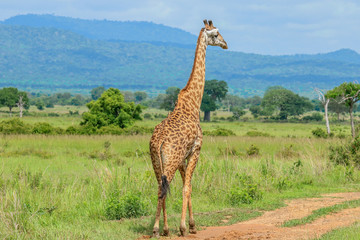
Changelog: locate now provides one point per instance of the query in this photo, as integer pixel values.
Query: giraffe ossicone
(177, 140)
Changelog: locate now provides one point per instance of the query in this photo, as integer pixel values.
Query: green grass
(321, 212)
(348, 233)
(59, 186)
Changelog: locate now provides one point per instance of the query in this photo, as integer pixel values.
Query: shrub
(111, 130)
(319, 133)
(219, 132)
(147, 116)
(314, 117)
(253, 150)
(43, 128)
(244, 191)
(346, 154)
(14, 126)
(127, 206)
(288, 152)
(257, 134)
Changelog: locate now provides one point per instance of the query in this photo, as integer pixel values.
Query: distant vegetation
(61, 58)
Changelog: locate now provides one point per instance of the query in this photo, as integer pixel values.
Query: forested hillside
(49, 58)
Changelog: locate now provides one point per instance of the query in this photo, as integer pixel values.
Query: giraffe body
(177, 140)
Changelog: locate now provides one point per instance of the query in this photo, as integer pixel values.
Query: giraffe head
(212, 35)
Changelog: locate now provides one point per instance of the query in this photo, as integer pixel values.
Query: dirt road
(267, 226)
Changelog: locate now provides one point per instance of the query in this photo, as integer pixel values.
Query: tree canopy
(214, 90)
(9, 97)
(285, 102)
(111, 109)
(170, 98)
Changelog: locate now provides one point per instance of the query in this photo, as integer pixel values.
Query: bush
(147, 116)
(127, 206)
(314, 117)
(319, 133)
(43, 128)
(111, 130)
(347, 154)
(257, 134)
(14, 126)
(219, 132)
(244, 191)
(253, 150)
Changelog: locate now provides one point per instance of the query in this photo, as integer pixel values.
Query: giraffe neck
(191, 95)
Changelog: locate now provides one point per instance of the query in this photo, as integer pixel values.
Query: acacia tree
(23, 102)
(213, 90)
(349, 93)
(325, 102)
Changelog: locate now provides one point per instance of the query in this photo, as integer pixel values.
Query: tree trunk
(352, 121)
(10, 108)
(326, 116)
(207, 116)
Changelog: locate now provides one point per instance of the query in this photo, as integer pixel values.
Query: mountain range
(51, 53)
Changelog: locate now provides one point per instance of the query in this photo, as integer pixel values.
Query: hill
(107, 30)
(49, 58)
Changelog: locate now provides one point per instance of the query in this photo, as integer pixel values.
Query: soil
(268, 226)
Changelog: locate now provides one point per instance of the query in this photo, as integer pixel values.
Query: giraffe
(176, 141)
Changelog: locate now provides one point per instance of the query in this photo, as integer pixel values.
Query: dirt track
(267, 226)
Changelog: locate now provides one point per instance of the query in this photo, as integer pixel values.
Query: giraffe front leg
(192, 228)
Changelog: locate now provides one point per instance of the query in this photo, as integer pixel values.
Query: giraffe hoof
(182, 232)
(165, 232)
(156, 233)
(192, 230)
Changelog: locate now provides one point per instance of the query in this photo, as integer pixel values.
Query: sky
(274, 27)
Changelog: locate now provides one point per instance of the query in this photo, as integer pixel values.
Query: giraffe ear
(210, 23)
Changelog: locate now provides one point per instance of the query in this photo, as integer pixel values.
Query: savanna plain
(104, 187)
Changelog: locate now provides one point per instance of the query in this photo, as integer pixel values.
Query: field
(68, 187)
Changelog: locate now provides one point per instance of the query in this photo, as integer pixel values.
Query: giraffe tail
(165, 187)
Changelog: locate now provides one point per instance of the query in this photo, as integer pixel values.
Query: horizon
(274, 28)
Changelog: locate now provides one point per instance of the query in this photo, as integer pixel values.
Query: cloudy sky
(273, 27)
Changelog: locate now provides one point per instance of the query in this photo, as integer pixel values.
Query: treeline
(277, 104)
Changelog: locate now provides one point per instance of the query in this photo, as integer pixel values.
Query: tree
(96, 92)
(336, 107)
(285, 102)
(9, 97)
(214, 90)
(140, 96)
(237, 112)
(23, 102)
(170, 99)
(111, 109)
(325, 102)
(349, 94)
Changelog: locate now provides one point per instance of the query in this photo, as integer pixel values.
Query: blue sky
(273, 27)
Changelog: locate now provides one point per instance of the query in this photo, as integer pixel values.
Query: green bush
(219, 132)
(147, 116)
(127, 206)
(253, 150)
(111, 130)
(244, 191)
(319, 133)
(257, 134)
(14, 126)
(43, 128)
(347, 154)
(314, 117)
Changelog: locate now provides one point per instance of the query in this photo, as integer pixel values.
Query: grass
(59, 186)
(348, 233)
(322, 212)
